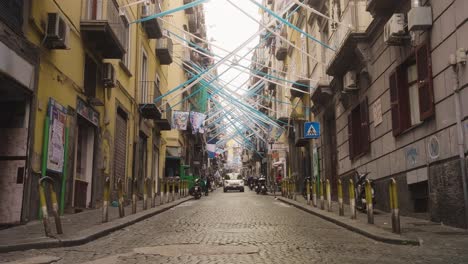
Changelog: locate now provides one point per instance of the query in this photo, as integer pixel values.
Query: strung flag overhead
(196, 120)
(180, 120)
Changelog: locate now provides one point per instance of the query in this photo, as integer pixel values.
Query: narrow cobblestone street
(239, 228)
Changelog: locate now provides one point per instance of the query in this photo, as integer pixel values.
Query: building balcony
(149, 91)
(188, 10)
(321, 96)
(302, 85)
(299, 139)
(152, 26)
(164, 49)
(165, 121)
(102, 28)
(193, 23)
(381, 7)
(281, 52)
(12, 14)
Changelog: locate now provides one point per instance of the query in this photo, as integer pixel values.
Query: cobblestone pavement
(238, 228)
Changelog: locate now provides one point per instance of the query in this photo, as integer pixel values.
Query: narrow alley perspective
(233, 131)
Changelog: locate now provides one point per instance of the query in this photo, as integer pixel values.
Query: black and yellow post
(167, 190)
(308, 191)
(105, 201)
(134, 196)
(369, 203)
(55, 208)
(172, 190)
(340, 198)
(329, 201)
(178, 189)
(314, 193)
(322, 202)
(153, 194)
(145, 193)
(121, 198)
(45, 214)
(352, 199)
(294, 190)
(162, 191)
(393, 191)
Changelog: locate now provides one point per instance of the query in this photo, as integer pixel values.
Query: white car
(233, 181)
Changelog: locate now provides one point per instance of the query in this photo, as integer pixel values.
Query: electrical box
(420, 18)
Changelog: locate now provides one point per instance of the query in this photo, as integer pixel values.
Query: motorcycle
(360, 191)
(261, 186)
(197, 191)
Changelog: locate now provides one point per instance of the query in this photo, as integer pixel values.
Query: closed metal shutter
(120, 153)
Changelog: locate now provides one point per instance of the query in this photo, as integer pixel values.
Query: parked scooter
(360, 191)
(261, 186)
(197, 190)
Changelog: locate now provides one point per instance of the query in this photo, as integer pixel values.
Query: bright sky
(230, 28)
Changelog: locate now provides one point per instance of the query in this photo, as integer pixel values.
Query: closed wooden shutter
(350, 136)
(120, 147)
(399, 100)
(425, 87)
(365, 135)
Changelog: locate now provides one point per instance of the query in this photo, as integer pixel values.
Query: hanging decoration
(211, 148)
(196, 120)
(180, 120)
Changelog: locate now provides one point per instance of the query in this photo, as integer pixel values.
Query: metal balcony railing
(149, 91)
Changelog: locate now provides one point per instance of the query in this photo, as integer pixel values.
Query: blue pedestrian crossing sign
(311, 130)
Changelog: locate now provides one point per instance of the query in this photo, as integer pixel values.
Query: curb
(117, 224)
(385, 239)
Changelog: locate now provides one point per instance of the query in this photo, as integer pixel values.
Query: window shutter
(399, 101)
(425, 87)
(350, 136)
(365, 133)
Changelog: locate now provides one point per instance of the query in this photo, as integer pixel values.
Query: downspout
(456, 61)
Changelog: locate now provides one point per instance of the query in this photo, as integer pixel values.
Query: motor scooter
(360, 191)
(261, 186)
(197, 191)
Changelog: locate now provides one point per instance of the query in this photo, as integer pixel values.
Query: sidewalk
(413, 231)
(78, 228)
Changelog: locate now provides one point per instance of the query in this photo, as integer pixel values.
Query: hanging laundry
(180, 120)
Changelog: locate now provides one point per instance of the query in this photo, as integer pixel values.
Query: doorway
(84, 160)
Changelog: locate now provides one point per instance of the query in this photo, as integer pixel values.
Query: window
(358, 130)
(144, 78)
(411, 91)
(127, 40)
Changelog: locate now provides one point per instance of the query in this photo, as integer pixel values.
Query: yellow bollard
(308, 191)
(45, 215)
(369, 203)
(314, 193)
(121, 198)
(393, 191)
(167, 191)
(352, 199)
(162, 191)
(105, 201)
(172, 190)
(134, 196)
(55, 208)
(329, 201)
(294, 190)
(322, 202)
(340, 198)
(145, 194)
(178, 189)
(153, 194)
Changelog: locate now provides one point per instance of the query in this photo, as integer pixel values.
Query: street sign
(312, 130)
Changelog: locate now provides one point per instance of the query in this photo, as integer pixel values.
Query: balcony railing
(102, 26)
(152, 26)
(149, 91)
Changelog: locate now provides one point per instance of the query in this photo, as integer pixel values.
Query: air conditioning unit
(350, 81)
(420, 18)
(57, 32)
(108, 75)
(394, 30)
(147, 9)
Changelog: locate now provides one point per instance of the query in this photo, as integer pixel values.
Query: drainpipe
(456, 61)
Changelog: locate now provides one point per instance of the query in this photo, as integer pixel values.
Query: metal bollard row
(369, 203)
(340, 198)
(329, 201)
(393, 191)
